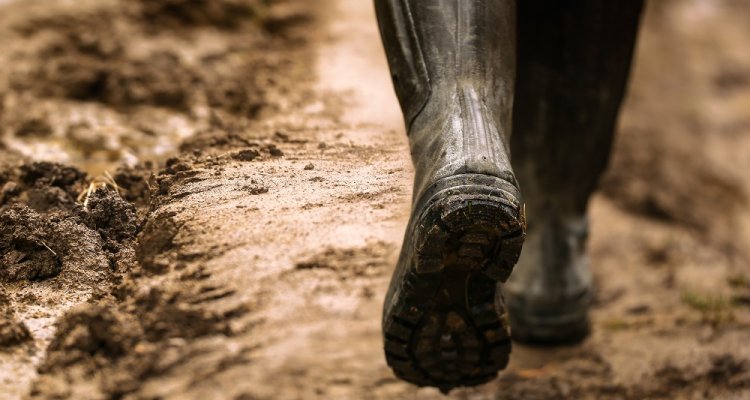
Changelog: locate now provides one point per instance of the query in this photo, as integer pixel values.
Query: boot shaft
(439, 48)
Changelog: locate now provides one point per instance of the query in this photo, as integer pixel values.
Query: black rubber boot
(551, 290)
(453, 67)
(573, 63)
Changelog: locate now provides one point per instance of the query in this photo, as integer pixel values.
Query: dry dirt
(205, 199)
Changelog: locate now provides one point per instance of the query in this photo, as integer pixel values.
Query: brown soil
(205, 199)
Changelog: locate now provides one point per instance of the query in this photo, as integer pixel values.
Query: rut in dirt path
(85, 303)
(258, 246)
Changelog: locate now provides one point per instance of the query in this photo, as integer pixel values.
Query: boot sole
(447, 326)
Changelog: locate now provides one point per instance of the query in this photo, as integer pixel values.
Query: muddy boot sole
(445, 324)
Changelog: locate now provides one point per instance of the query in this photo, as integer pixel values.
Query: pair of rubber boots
(451, 304)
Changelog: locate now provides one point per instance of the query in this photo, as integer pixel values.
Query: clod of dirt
(111, 216)
(12, 331)
(117, 346)
(727, 369)
(309, 167)
(161, 80)
(246, 155)
(89, 62)
(24, 253)
(218, 137)
(134, 183)
(275, 151)
(43, 186)
(233, 96)
(227, 14)
(45, 227)
(167, 313)
(254, 190)
(281, 136)
(91, 331)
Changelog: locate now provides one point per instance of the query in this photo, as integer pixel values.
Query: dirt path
(253, 263)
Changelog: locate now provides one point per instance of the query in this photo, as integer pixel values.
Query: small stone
(275, 152)
(322, 145)
(309, 167)
(246, 155)
(255, 190)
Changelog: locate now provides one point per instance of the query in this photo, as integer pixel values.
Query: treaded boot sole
(447, 326)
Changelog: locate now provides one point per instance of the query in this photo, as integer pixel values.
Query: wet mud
(203, 199)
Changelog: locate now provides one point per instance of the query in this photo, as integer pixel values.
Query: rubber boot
(573, 63)
(551, 290)
(453, 68)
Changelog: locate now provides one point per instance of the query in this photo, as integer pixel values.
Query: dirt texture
(206, 199)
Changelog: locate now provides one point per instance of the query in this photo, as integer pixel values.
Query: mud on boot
(444, 323)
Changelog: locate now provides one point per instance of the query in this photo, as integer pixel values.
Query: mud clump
(91, 332)
(168, 313)
(246, 155)
(222, 134)
(133, 183)
(161, 79)
(90, 61)
(234, 96)
(42, 186)
(50, 220)
(227, 14)
(12, 331)
(591, 377)
(110, 215)
(97, 56)
(25, 254)
(119, 343)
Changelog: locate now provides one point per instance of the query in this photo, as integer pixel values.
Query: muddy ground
(205, 199)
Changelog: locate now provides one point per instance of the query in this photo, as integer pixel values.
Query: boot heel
(473, 221)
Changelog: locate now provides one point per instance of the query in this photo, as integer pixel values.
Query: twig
(51, 251)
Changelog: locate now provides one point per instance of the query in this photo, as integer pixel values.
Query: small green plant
(738, 281)
(616, 324)
(714, 308)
